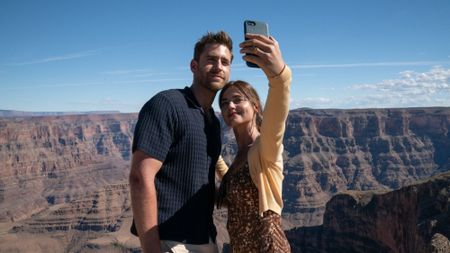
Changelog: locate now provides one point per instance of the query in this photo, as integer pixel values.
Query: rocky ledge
(414, 219)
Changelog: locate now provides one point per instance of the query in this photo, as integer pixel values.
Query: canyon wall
(63, 179)
(64, 183)
(413, 219)
(52, 160)
(330, 151)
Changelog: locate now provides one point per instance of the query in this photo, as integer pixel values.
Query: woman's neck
(245, 136)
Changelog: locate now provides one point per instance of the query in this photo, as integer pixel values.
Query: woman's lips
(232, 114)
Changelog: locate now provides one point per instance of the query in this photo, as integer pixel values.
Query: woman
(251, 187)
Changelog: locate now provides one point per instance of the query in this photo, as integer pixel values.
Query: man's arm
(144, 201)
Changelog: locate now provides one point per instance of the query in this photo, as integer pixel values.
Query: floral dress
(248, 230)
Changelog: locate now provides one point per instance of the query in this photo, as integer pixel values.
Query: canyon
(64, 185)
(413, 219)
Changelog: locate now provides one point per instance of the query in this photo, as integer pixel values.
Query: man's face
(212, 70)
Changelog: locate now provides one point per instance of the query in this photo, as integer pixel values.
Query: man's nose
(218, 65)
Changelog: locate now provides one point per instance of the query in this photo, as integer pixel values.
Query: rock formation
(414, 219)
(63, 179)
(52, 160)
(329, 151)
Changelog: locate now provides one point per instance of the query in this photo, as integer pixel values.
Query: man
(175, 148)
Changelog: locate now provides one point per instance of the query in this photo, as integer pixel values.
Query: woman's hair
(249, 93)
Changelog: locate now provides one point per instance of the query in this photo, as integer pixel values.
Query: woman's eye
(238, 100)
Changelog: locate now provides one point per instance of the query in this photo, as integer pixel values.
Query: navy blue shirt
(173, 128)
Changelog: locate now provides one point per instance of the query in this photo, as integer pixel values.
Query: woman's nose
(230, 105)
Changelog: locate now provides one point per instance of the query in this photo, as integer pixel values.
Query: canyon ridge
(352, 179)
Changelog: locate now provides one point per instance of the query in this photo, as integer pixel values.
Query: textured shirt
(173, 128)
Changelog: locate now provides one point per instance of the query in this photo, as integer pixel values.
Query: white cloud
(410, 89)
(312, 102)
(96, 83)
(128, 71)
(56, 58)
(108, 103)
(437, 79)
(139, 73)
(430, 88)
(367, 64)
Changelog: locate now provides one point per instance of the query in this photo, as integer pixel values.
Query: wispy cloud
(95, 83)
(127, 71)
(409, 89)
(312, 102)
(109, 104)
(56, 58)
(369, 64)
(437, 79)
(136, 73)
(108, 101)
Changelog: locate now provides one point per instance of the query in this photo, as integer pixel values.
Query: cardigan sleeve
(265, 156)
(275, 114)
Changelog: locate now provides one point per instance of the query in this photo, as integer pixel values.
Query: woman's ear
(255, 107)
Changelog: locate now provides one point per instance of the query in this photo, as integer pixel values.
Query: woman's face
(236, 108)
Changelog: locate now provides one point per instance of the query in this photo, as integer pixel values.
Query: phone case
(255, 27)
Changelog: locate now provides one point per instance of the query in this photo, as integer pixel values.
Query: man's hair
(220, 37)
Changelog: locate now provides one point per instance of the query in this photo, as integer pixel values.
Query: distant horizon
(4, 112)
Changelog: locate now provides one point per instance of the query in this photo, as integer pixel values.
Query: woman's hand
(265, 52)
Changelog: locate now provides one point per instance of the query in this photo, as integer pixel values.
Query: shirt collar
(189, 95)
(192, 101)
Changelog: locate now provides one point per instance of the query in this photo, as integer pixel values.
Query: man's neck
(203, 96)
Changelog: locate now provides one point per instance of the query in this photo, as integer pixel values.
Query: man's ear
(194, 65)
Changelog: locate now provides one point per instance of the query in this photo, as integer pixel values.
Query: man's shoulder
(169, 94)
(169, 97)
(165, 100)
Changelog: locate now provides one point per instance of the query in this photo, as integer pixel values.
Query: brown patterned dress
(249, 232)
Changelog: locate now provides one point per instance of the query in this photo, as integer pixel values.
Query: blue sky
(90, 55)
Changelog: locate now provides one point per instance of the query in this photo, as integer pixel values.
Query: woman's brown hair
(249, 93)
(252, 96)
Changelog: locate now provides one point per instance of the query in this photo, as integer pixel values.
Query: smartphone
(255, 27)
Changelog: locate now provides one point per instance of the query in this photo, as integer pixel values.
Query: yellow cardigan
(265, 158)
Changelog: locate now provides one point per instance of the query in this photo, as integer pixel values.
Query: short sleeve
(221, 167)
(154, 130)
